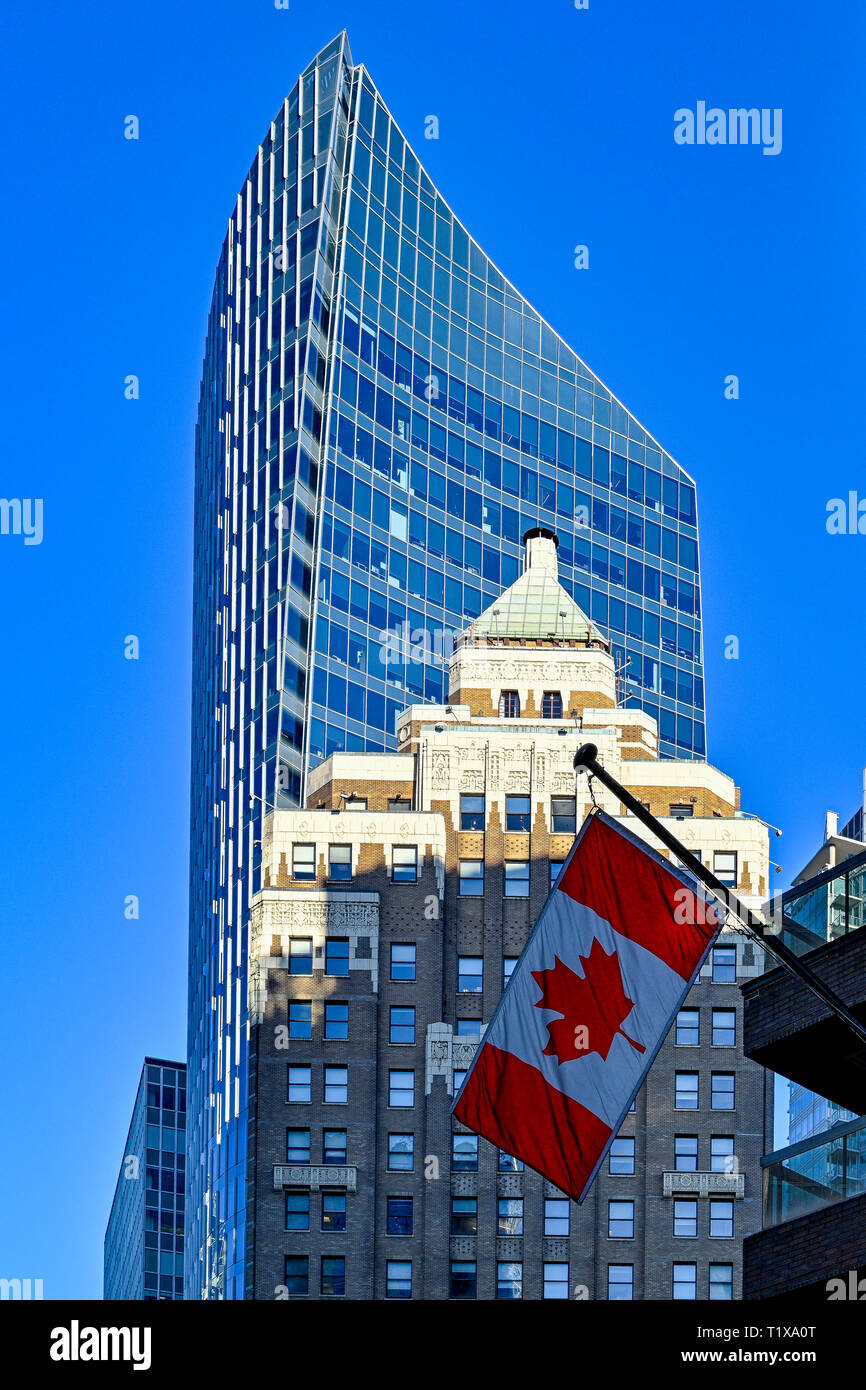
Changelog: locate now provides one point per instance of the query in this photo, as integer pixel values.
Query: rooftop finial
(541, 546)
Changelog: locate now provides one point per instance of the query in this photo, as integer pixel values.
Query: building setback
(145, 1233)
(382, 417)
(391, 911)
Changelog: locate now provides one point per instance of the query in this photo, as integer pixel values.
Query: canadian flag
(591, 1000)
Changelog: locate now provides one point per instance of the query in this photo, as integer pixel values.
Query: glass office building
(382, 417)
(144, 1239)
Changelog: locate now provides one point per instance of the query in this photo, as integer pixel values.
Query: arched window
(509, 705)
(551, 705)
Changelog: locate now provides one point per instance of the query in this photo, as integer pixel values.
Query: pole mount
(585, 755)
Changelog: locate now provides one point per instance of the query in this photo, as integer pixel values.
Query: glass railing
(815, 1173)
(823, 909)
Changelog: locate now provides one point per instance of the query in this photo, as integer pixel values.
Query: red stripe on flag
(636, 894)
(509, 1102)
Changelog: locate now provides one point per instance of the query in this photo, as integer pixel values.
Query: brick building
(391, 912)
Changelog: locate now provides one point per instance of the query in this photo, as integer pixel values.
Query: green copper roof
(536, 606)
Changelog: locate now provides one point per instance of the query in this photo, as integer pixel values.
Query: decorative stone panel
(446, 1054)
(303, 1175)
(464, 1184)
(509, 1185)
(509, 1248)
(555, 1248)
(705, 1184)
(463, 1247)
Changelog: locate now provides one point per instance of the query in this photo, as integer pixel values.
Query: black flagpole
(586, 758)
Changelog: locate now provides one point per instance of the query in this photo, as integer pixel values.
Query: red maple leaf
(593, 1008)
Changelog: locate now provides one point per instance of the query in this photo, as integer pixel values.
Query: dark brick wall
(806, 1252)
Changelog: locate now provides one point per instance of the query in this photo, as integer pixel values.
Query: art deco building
(145, 1234)
(382, 417)
(393, 909)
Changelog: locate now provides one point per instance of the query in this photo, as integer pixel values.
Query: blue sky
(556, 129)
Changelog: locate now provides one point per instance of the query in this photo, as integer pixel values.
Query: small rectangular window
(724, 965)
(403, 961)
(509, 1279)
(470, 974)
(296, 1276)
(301, 955)
(508, 964)
(555, 1280)
(725, 867)
(404, 864)
(464, 1216)
(398, 1278)
(336, 956)
(509, 1164)
(722, 1219)
(355, 803)
(340, 862)
(333, 1274)
(399, 1216)
(464, 1153)
(516, 878)
(722, 1159)
(402, 1029)
(723, 1097)
(300, 1018)
(620, 1283)
(555, 870)
(686, 1153)
(622, 1156)
(472, 813)
(721, 1282)
(557, 1216)
(563, 815)
(401, 1088)
(399, 803)
(401, 1153)
(334, 1146)
(620, 1220)
(688, 1032)
(685, 1281)
(724, 1028)
(336, 1019)
(464, 1279)
(300, 1082)
(297, 1211)
(517, 813)
(510, 1216)
(685, 1218)
(686, 1094)
(336, 1085)
(333, 1211)
(471, 878)
(298, 1146)
(681, 810)
(304, 862)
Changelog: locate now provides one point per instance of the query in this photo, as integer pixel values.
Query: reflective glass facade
(382, 417)
(144, 1238)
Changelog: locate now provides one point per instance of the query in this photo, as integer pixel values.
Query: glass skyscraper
(144, 1239)
(382, 417)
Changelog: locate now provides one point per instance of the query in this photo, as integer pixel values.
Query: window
(721, 1282)
(508, 965)
(301, 955)
(401, 1153)
(457, 1079)
(555, 870)
(300, 1082)
(685, 1281)
(355, 803)
(333, 1274)
(686, 1153)
(333, 1211)
(681, 810)
(685, 1218)
(688, 1028)
(470, 974)
(398, 1279)
(516, 878)
(686, 1097)
(723, 1090)
(297, 1211)
(297, 1275)
(722, 1219)
(510, 1218)
(563, 815)
(724, 1027)
(551, 705)
(301, 1019)
(401, 1088)
(404, 864)
(722, 1158)
(464, 1216)
(509, 705)
(509, 1164)
(557, 1216)
(724, 965)
(620, 1283)
(518, 812)
(469, 1028)
(471, 878)
(402, 1025)
(402, 961)
(555, 1280)
(620, 1220)
(297, 1146)
(336, 1019)
(622, 1156)
(464, 1280)
(464, 1153)
(304, 862)
(399, 1216)
(336, 957)
(340, 862)
(509, 1279)
(472, 813)
(334, 1146)
(399, 803)
(725, 866)
(336, 1085)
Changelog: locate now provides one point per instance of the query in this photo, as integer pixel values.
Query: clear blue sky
(556, 128)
